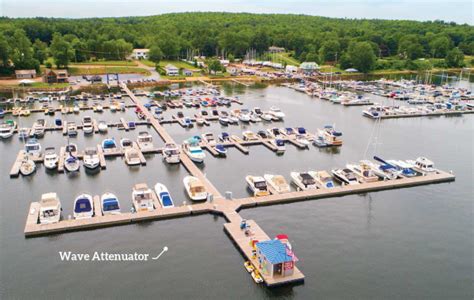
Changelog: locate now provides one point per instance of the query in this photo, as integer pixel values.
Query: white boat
(277, 113)
(110, 204)
(102, 126)
(132, 157)
(323, 179)
(50, 158)
(6, 130)
(145, 141)
(279, 145)
(50, 209)
(244, 115)
(274, 132)
(406, 169)
(257, 110)
(266, 117)
(171, 153)
(76, 109)
(257, 185)
(304, 181)
(209, 138)
(194, 151)
(23, 133)
(83, 207)
(38, 128)
(277, 184)
(164, 196)
(71, 148)
(91, 158)
(423, 164)
(33, 148)
(220, 149)
(200, 121)
(126, 143)
(345, 176)
(27, 166)
(71, 129)
(364, 171)
(302, 140)
(256, 277)
(71, 163)
(142, 197)
(195, 188)
(330, 136)
(87, 125)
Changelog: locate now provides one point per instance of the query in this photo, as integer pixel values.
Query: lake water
(408, 243)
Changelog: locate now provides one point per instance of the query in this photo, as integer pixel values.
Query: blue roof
(274, 251)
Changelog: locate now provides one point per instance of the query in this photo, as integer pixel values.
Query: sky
(459, 11)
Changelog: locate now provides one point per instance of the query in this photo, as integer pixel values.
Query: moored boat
(110, 204)
(171, 153)
(50, 208)
(50, 158)
(195, 188)
(257, 185)
(277, 184)
(83, 207)
(345, 176)
(303, 180)
(163, 195)
(142, 197)
(91, 158)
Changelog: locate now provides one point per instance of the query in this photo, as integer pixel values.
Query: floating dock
(433, 114)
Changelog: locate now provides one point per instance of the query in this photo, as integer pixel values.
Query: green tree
(213, 66)
(454, 58)
(362, 56)
(329, 50)
(40, 50)
(4, 51)
(440, 46)
(155, 55)
(61, 50)
(410, 47)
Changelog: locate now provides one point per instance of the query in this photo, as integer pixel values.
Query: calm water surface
(413, 243)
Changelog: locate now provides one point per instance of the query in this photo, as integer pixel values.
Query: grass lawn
(103, 70)
(39, 85)
(285, 56)
(178, 64)
(108, 63)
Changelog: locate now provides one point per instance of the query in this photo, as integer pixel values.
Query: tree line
(364, 44)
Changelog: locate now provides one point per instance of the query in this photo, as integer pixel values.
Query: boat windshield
(196, 151)
(261, 185)
(110, 204)
(197, 189)
(49, 213)
(32, 148)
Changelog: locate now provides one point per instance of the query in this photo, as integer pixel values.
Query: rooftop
(274, 251)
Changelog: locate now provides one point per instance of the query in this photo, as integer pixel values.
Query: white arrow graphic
(163, 251)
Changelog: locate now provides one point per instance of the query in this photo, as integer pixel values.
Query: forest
(366, 44)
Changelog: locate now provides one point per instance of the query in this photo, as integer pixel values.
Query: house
(275, 258)
(25, 74)
(224, 62)
(55, 76)
(275, 49)
(309, 67)
(139, 54)
(187, 72)
(171, 70)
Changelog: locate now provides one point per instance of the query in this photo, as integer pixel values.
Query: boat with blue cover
(109, 145)
(164, 195)
(110, 204)
(221, 149)
(83, 207)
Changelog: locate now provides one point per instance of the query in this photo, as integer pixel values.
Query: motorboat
(345, 176)
(304, 181)
(256, 276)
(257, 110)
(364, 171)
(257, 185)
(87, 125)
(244, 115)
(132, 156)
(220, 149)
(23, 133)
(254, 118)
(38, 128)
(277, 113)
(423, 164)
(277, 184)
(200, 121)
(91, 158)
(224, 118)
(224, 137)
(384, 170)
(266, 117)
(126, 143)
(249, 267)
(288, 131)
(33, 148)
(195, 188)
(274, 132)
(171, 153)
(83, 207)
(50, 208)
(71, 129)
(405, 168)
(330, 135)
(27, 166)
(110, 204)
(299, 138)
(142, 197)
(164, 196)
(249, 136)
(279, 145)
(262, 134)
(71, 163)
(145, 141)
(323, 179)
(109, 145)
(102, 126)
(208, 138)
(76, 109)
(50, 158)
(187, 122)
(193, 150)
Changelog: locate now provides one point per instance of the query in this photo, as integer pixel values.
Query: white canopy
(26, 81)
